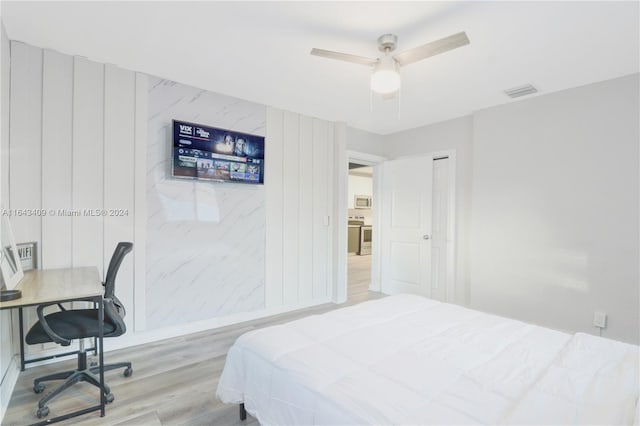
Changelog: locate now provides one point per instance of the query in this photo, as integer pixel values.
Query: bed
(408, 360)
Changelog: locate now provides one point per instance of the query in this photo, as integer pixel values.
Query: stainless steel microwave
(362, 202)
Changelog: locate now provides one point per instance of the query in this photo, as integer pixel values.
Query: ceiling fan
(385, 78)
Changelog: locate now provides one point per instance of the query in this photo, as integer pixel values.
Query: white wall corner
(273, 208)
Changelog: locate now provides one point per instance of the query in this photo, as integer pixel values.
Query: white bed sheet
(593, 381)
(410, 360)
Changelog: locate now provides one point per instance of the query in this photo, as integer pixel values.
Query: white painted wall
(363, 141)
(449, 135)
(555, 208)
(549, 187)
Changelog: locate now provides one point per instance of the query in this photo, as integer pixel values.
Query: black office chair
(68, 324)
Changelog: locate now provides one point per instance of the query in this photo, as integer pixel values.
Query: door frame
(451, 220)
(340, 295)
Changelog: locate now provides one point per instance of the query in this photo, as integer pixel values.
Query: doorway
(369, 273)
(444, 275)
(360, 231)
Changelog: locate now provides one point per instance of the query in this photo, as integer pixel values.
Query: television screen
(208, 153)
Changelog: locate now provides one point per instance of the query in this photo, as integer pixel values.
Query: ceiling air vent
(525, 90)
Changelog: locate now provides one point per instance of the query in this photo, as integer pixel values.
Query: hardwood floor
(358, 277)
(174, 381)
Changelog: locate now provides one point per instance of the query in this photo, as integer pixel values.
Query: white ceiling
(259, 51)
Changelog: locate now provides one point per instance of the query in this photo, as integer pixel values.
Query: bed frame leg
(243, 412)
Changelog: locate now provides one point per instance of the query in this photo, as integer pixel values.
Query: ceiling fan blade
(344, 57)
(431, 49)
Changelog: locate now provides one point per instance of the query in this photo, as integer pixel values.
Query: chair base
(81, 374)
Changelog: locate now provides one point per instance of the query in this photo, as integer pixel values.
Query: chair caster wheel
(109, 398)
(128, 371)
(38, 388)
(42, 412)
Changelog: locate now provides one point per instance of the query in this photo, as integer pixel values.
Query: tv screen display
(207, 153)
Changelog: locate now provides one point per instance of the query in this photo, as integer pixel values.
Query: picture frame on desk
(28, 253)
(10, 266)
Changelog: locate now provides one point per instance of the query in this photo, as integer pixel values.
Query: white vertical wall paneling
(25, 148)
(290, 206)
(319, 209)
(88, 162)
(339, 231)
(6, 107)
(8, 367)
(305, 219)
(119, 153)
(140, 200)
(375, 236)
(57, 99)
(273, 208)
(330, 225)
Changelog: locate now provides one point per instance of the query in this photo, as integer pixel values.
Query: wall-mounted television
(208, 153)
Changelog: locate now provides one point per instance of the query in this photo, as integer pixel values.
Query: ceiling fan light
(385, 78)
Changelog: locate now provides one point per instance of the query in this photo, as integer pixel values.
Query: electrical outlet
(599, 319)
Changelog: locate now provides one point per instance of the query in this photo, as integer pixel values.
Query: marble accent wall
(205, 240)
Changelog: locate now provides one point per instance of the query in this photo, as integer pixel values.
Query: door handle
(426, 236)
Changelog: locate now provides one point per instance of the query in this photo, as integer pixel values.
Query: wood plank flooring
(358, 277)
(174, 380)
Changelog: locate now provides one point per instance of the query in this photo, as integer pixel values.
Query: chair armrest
(47, 329)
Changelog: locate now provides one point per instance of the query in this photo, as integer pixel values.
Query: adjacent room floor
(174, 380)
(358, 277)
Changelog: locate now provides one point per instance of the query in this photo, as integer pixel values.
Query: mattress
(407, 360)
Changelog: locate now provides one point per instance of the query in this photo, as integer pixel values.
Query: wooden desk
(57, 286)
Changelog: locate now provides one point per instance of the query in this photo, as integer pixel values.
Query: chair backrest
(114, 311)
(122, 249)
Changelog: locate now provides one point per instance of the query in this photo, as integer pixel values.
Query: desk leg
(21, 326)
(101, 354)
(95, 339)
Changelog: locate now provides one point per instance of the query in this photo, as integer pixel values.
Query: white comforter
(409, 360)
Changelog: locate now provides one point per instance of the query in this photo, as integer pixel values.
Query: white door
(406, 226)
(439, 236)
